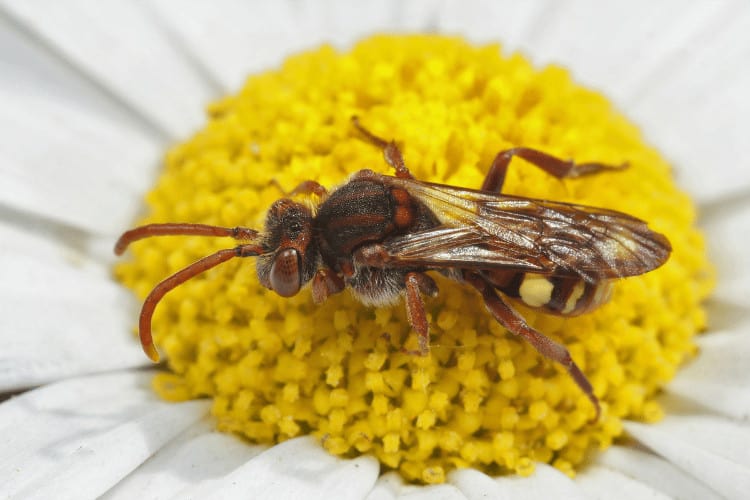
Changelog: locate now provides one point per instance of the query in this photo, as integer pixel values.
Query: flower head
(94, 94)
(279, 368)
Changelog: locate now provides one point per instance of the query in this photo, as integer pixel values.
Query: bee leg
(374, 255)
(550, 164)
(326, 283)
(304, 187)
(415, 283)
(307, 187)
(547, 347)
(426, 284)
(391, 152)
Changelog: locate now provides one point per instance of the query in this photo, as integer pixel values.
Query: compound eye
(284, 276)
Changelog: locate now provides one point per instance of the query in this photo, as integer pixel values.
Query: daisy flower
(94, 97)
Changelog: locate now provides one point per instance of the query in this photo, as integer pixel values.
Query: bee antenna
(178, 278)
(182, 229)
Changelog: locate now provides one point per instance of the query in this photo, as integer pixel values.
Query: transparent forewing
(464, 247)
(486, 230)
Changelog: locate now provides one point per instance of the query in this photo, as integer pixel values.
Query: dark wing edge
(486, 230)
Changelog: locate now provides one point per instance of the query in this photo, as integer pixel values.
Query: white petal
(219, 33)
(606, 484)
(546, 482)
(431, 492)
(718, 378)
(62, 314)
(656, 473)
(77, 438)
(683, 83)
(298, 468)
(391, 485)
(474, 485)
(386, 487)
(725, 224)
(197, 456)
(120, 46)
(65, 163)
(30, 67)
(234, 39)
(714, 451)
(342, 23)
(699, 87)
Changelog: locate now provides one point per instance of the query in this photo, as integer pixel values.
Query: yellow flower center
(278, 368)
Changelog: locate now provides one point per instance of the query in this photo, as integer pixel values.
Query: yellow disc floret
(278, 368)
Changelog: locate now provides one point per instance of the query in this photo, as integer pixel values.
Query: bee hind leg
(557, 167)
(547, 347)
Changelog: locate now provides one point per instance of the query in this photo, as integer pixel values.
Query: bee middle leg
(416, 284)
(547, 347)
(553, 165)
(391, 152)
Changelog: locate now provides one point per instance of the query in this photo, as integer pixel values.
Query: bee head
(289, 257)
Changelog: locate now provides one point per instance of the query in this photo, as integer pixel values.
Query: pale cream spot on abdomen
(572, 301)
(592, 299)
(536, 290)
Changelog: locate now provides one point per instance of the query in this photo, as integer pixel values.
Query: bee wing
(461, 247)
(483, 230)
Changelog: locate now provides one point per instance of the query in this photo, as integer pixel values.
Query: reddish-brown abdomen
(566, 296)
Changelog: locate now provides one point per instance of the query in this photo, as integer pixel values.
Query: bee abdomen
(557, 295)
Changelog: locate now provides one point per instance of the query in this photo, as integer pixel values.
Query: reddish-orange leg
(415, 312)
(309, 187)
(391, 152)
(547, 347)
(416, 285)
(552, 165)
(502, 312)
(326, 283)
(213, 260)
(304, 187)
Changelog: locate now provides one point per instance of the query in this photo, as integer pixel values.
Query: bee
(379, 236)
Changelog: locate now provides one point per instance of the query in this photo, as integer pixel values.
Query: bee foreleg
(304, 187)
(550, 164)
(415, 283)
(391, 152)
(326, 283)
(547, 347)
(309, 187)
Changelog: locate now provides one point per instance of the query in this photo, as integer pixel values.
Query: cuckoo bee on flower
(380, 235)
